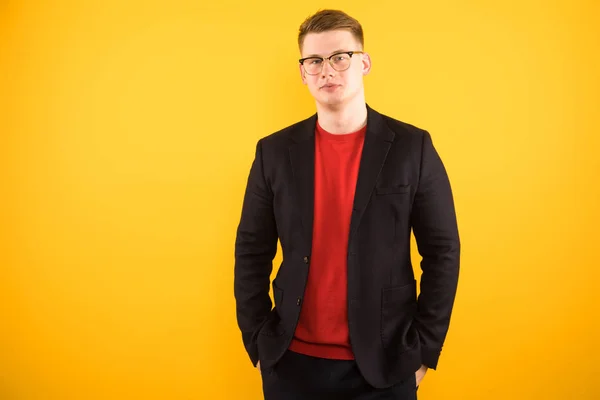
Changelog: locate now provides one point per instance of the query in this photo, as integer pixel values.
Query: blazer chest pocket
(397, 189)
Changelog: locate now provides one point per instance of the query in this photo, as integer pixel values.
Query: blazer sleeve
(255, 248)
(435, 228)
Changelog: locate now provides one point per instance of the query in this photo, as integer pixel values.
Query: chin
(331, 100)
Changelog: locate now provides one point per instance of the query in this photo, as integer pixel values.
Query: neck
(344, 118)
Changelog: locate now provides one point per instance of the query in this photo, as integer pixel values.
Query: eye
(314, 61)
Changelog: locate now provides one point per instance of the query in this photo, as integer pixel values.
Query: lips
(329, 86)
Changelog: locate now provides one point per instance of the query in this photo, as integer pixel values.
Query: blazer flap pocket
(393, 189)
(405, 295)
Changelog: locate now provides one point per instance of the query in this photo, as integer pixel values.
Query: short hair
(330, 20)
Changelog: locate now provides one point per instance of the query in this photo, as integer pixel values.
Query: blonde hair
(330, 20)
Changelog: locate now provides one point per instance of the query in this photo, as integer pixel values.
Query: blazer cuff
(430, 357)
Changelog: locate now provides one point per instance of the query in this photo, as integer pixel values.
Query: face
(333, 88)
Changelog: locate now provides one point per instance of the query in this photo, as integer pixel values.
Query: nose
(327, 69)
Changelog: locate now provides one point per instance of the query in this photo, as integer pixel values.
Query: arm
(434, 224)
(255, 248)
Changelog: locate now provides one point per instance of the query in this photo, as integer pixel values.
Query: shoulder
(291, 133)
(402, 128)
(402, 134)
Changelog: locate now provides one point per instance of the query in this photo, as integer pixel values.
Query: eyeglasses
(338, 61)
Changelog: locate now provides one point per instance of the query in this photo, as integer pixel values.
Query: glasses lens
(312, 65)
(341, 61)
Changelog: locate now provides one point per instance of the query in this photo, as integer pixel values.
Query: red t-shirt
(322, 329)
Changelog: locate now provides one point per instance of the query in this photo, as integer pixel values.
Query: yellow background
(127, 129)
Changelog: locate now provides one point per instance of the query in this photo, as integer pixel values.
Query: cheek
(312, 84)
(354, 80)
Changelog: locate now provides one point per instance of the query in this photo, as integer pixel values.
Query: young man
(342, 190)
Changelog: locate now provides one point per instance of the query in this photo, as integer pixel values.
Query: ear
(366, 63)
(302, 74)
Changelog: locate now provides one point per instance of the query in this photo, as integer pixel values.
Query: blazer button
(298, 301)
(305, 260)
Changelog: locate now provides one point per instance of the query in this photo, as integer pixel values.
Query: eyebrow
(332, 53)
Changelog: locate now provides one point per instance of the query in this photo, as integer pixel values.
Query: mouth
(329, 86)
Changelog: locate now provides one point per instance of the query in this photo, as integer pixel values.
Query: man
(342, 190)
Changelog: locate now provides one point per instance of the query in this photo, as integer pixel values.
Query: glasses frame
(350, 53)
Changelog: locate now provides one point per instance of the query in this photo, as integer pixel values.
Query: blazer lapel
(378, 140)
(302, 157)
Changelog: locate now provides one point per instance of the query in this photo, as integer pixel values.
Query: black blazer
(402, 184)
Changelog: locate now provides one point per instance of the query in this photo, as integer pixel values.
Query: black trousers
(301, 377)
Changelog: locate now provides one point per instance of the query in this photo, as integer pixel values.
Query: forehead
(325, 43)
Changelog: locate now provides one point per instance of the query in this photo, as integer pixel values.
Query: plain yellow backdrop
(127, 129)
